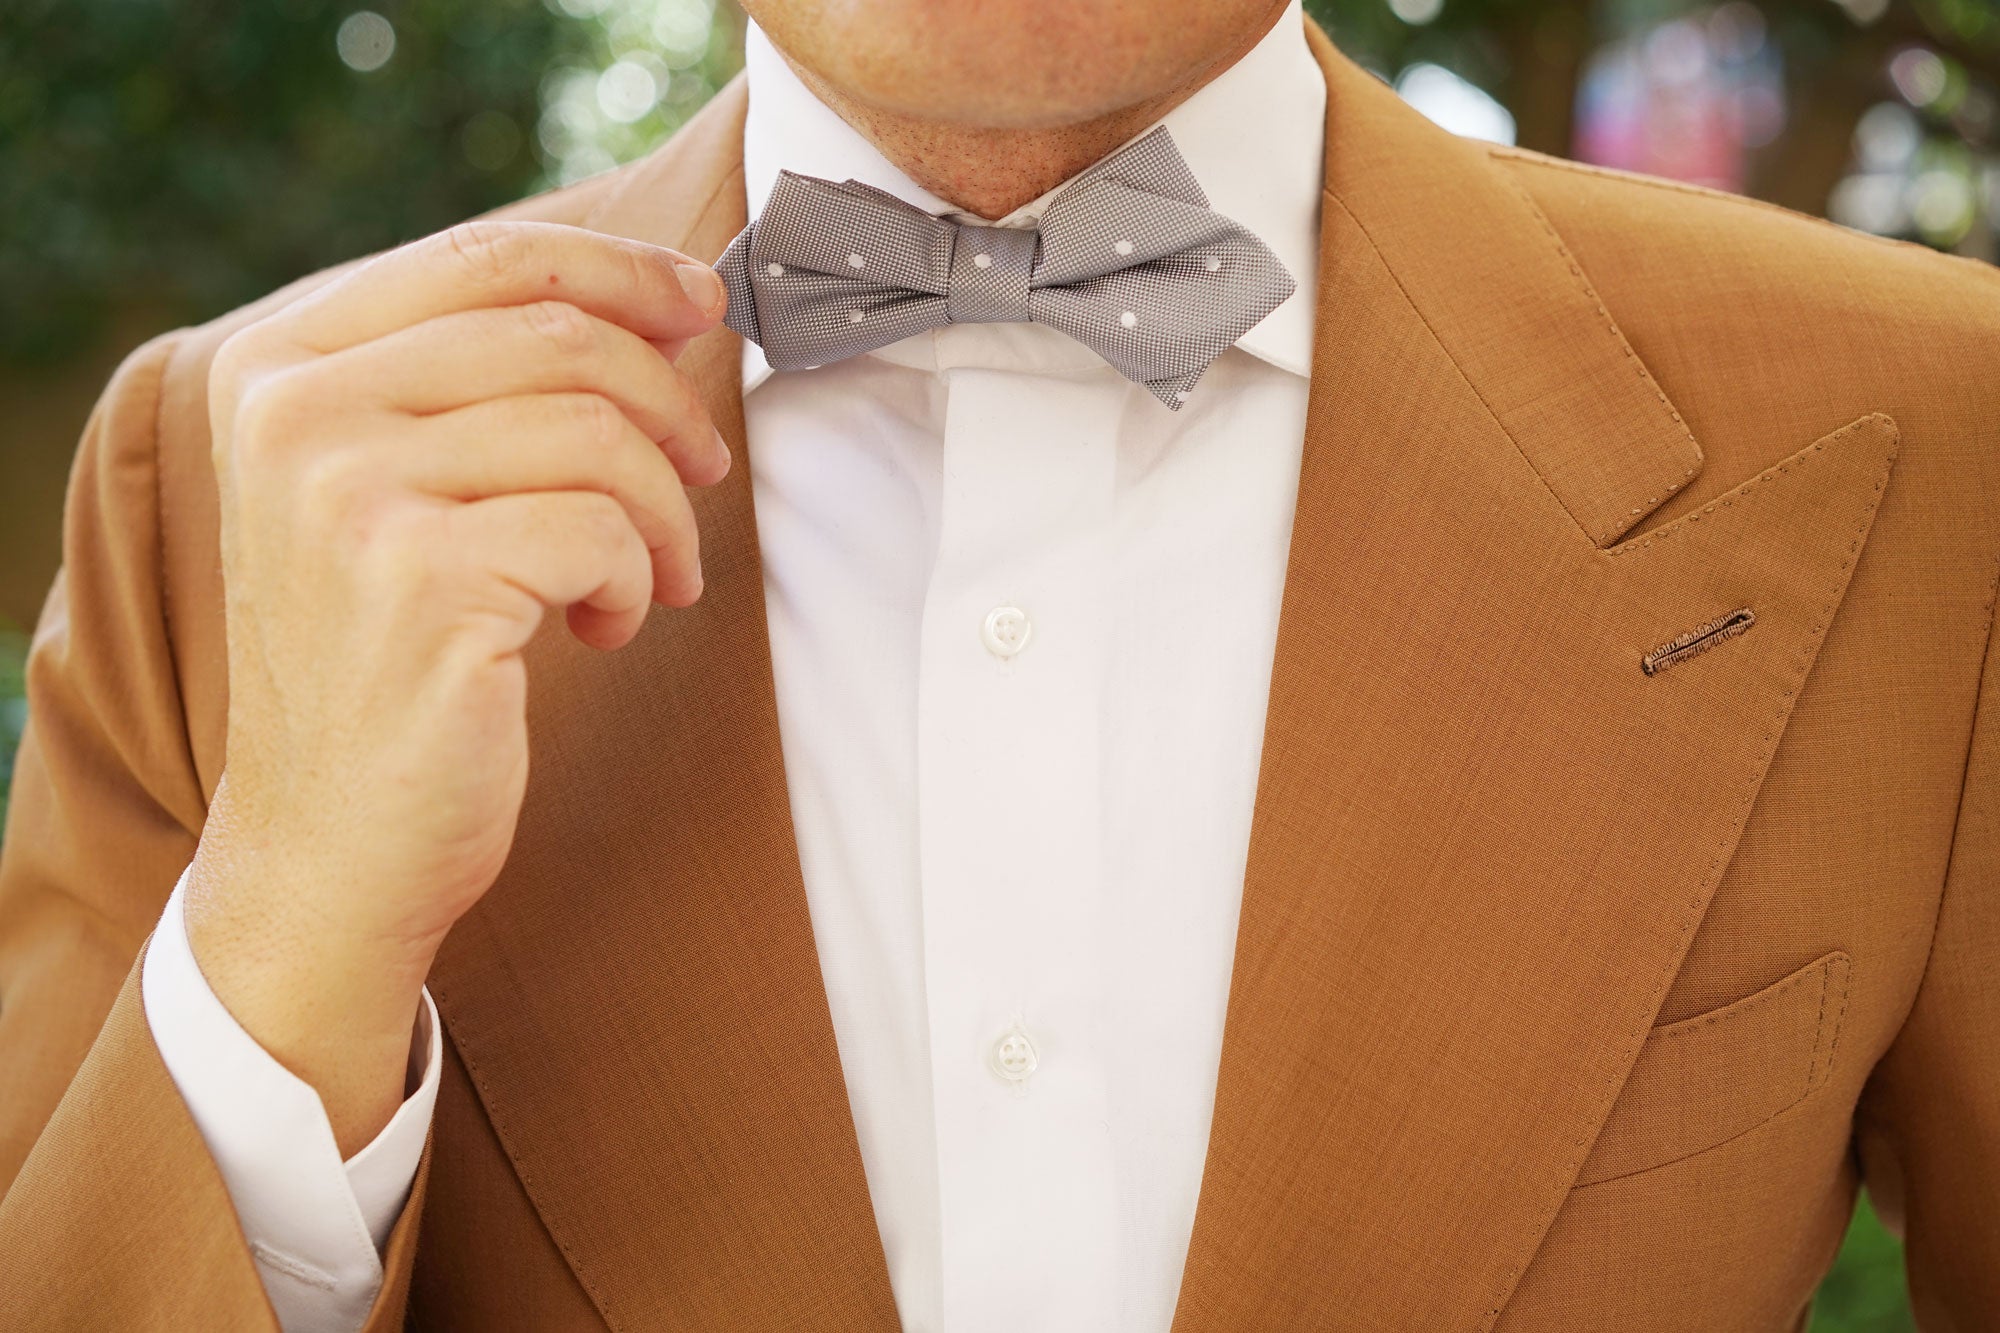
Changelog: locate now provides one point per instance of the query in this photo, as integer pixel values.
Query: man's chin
(989, 67)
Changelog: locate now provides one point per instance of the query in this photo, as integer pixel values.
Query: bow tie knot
(1128, 259)
(992, 273)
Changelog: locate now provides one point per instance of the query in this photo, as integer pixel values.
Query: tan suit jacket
(1567, 995)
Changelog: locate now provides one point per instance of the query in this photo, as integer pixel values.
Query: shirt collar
(1253, 136)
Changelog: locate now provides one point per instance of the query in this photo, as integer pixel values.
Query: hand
(413, 463)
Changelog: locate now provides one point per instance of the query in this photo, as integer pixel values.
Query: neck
(990, 172)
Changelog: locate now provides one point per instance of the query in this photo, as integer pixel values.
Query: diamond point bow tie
(1128, 259)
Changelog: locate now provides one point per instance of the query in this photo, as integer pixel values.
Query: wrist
(336, 1008)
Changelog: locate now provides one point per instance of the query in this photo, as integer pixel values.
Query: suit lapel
(1483, 835)
(638, 999)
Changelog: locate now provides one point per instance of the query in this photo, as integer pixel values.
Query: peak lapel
(1484, 835)
(638, 998)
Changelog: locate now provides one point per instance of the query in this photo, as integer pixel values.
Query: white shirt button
(1006, 630)
(1013, 1055)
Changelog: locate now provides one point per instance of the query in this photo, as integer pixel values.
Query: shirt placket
(1012, 654)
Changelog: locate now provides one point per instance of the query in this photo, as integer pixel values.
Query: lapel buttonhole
(1699, 639)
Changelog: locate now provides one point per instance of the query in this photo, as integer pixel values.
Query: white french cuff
(315, 1224)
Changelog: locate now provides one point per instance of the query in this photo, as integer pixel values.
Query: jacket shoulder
(1692, 233)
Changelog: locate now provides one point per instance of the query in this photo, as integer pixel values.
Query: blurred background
(164, 160)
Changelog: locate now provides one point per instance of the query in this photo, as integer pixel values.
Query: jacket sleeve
(1928, 1127)
(113, 1213)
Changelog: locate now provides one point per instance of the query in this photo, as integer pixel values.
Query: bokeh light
(1921, 76)
(1456, 103)
(1417, 12)
(648, 65)
(1923, 161)
(365, 41)
(627, 91)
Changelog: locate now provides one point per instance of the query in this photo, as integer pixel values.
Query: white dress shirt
(1021, 620)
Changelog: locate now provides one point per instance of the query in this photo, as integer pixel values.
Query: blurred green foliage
(194, 154)
(188, 156)
(1865, 1293)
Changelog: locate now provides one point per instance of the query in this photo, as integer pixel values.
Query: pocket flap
(1704, 1080)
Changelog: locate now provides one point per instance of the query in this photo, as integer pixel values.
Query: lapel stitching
(1755, 486)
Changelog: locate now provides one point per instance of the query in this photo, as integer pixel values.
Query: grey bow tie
(1129, 260)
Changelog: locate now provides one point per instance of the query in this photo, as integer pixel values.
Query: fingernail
(723, 445)
(701, 285)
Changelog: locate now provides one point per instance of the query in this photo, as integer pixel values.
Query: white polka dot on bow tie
(1213, 264)
(982, 261)
(855, 316)
(855, 261)
(775, 270)
(1123, 247)
(1129, 320)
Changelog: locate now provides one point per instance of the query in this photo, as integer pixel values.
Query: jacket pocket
(1702, 1081)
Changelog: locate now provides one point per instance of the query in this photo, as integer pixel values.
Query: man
(1354, 730)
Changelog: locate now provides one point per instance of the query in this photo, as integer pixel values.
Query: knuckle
(595, 422)
(483, 250)
(269, 411)
(406, 550)
(233, 358)
(230, 372)
(334, 484)
(562, 326)
(641, 272)
(608, 523)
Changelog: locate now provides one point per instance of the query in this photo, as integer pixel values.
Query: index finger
(657, 293)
